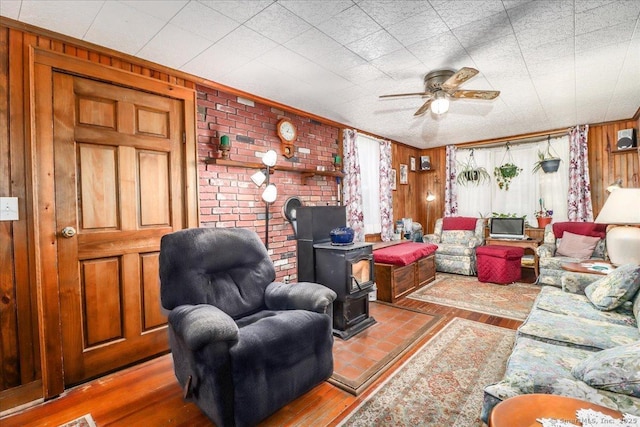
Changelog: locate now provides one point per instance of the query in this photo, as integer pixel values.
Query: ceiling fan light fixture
(440, 103)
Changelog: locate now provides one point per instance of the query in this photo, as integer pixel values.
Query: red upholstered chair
(457, 239)
(551, 255)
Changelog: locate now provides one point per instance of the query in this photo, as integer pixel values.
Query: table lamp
(622, 209)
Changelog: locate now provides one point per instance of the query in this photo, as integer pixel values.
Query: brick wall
(228, 197)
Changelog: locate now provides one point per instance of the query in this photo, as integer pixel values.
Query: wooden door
(118, 190)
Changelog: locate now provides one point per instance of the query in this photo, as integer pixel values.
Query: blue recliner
(243, 345)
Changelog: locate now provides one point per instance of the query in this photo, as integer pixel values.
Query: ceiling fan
(442, 84)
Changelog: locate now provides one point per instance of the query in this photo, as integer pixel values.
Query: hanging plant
(506, 171)
(470, 173)
(548, 162)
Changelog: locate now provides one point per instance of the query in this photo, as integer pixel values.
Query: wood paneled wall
(606, 164)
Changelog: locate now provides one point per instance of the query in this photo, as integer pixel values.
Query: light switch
(8, 208)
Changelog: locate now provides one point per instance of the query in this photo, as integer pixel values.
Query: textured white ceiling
(558, 63)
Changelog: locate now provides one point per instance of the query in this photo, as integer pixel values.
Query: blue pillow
(614, 289)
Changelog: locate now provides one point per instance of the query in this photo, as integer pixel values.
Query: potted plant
(506, 171)
(543, 215)
(548, 162)
(470, 173)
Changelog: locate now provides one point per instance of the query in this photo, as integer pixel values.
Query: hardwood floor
(149, 395)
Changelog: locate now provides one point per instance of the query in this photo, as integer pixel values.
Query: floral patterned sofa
(457, 239)
(580, 341)
(550, 253)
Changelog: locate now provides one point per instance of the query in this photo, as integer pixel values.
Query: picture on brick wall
(412, 162)
(404, 174)
(393, 179)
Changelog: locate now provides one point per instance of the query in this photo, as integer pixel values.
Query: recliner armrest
(546, 250)
(431, 238)
(299, 296)
(474, 242)
(200, 324)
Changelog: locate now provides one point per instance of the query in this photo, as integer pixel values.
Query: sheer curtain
(525, 190)
(369, 160)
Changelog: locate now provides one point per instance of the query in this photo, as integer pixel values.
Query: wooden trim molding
(42, 64)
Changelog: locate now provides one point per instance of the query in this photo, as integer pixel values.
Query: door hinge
(184, 137)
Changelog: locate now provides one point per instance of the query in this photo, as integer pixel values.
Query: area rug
(83, 421)
(361, 359)
(512, 301)
(442, 383)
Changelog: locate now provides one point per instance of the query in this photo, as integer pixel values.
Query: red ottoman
(499, 264)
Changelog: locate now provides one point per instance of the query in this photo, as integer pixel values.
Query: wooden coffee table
(582, 267)
(522, 411)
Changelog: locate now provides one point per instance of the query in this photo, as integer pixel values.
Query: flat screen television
(506, 228)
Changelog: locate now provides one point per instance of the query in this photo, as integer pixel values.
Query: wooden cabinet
(396, 281)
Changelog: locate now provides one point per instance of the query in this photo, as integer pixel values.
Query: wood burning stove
(347, 269)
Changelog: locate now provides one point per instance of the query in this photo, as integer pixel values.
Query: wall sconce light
(270, 192)
(225, 146)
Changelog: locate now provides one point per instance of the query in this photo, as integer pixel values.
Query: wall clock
(287, 133)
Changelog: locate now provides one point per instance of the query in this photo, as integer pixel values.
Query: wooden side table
(522, 411)
(527, 244)
(583, 267)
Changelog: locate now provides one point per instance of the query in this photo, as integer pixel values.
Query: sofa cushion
(576, 245)
(458, 237)
(404, 253)
(589, 334)
(616, 369)
(583, 228)
(539, 367)
(557, 301)
(636, 308)
(457, 250)
(459, 223)
(616, 288)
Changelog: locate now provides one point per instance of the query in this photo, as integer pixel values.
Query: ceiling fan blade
(461, 76)
(423, 109)
(405, 94)
(476, 94)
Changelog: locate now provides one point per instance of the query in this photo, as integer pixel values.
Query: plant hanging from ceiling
(506, 171)
(548, 162)
(470, 173)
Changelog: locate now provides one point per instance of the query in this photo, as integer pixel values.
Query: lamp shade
(440, 103)
(258, 178)
(621, 207)
(270, 193)
(430, 197)
(269, 158)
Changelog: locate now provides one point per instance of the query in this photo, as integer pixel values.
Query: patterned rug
(360, 360)
(512, 301)
(83, 421)
(442, 383)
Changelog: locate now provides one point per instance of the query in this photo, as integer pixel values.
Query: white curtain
(369, 158)
(525, 190)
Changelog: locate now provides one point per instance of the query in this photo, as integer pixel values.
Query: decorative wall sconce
(225, 146)
(270, 192)
(337, 162)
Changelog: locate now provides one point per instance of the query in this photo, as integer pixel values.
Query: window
(525, 190)
(369, 157)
